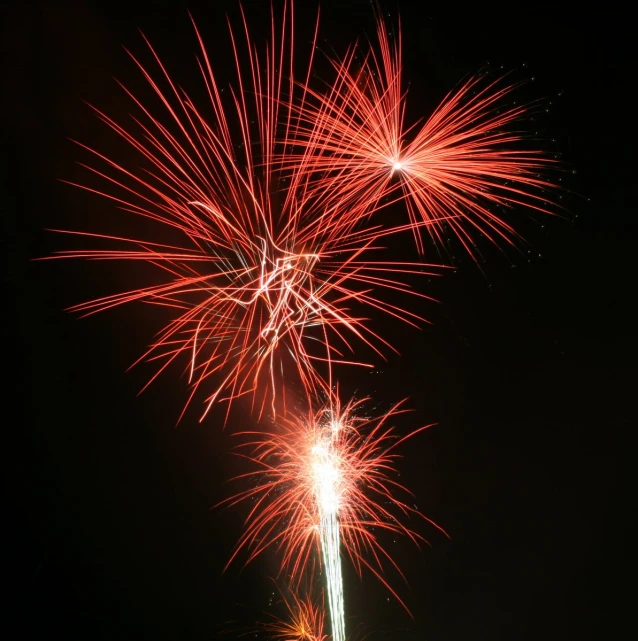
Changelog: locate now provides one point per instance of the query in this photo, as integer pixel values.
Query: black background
(528, 368)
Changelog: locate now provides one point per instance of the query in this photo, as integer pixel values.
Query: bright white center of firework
(326, 477)
(284, 287)
(397, 166)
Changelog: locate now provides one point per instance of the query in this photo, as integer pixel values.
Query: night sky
(528, 368)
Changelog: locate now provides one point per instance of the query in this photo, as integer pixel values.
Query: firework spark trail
(323, 481)
(331, 553)
(462, 166)
(265, 276)
(327, 490)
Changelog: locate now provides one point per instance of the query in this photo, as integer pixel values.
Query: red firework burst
(262, 269)
(460, 170)
(304, 621)
(358, 454)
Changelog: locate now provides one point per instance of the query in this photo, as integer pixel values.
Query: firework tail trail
(326, 474)
(330, 544)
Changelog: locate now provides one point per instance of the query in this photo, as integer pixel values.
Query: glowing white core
(326, 479)
(397, 166)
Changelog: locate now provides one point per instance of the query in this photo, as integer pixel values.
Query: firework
(263, 275)
(304, 621)
(264, 231)
(459, 171)
(324, 482)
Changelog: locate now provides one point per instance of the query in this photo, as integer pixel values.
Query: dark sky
(528, 368)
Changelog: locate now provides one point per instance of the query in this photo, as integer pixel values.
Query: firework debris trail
(273, 198)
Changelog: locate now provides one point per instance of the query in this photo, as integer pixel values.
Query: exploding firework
(304, 621)
(324, 482)
(264, 276)
(459, 171)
